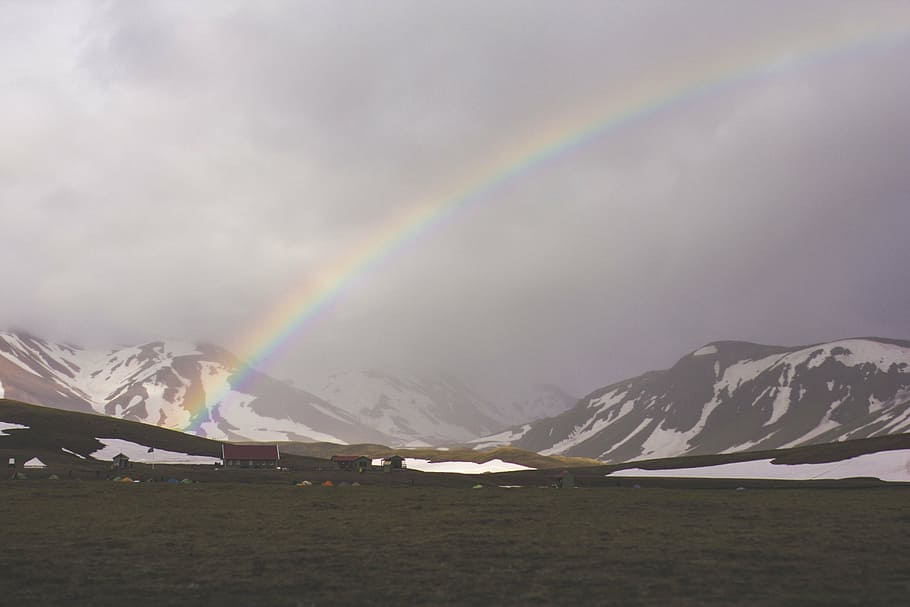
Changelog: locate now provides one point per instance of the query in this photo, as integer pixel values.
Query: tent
(34, 463)
(328, 484)
(53, 477)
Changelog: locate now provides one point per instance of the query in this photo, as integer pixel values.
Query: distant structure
(352, 463)
(565, 480)
(393, 462)
(34, 464)
(12, 463)
(249, 456)
(120, 462)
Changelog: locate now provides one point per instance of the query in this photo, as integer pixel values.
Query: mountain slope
(169, 384)
(415, 410)
(734, 396)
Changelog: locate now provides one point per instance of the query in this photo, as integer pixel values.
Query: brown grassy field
(102, 543)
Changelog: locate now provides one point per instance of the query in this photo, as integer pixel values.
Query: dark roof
(120, 456)
(348, 458)
(391, 457)
(249, 452)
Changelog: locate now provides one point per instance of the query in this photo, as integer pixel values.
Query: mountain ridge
(734, 395)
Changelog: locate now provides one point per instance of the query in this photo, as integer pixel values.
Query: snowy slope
(734, 396)
(164, 383)
(414, 410)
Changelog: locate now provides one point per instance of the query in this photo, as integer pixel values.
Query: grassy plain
(102, 543)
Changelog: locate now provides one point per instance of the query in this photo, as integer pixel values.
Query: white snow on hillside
(9, 426)
(234, 408)
(140, 453)
(408, 407)
(1, 389)
(884, 465)
(494, 465)
(706, 350)
(498, 440)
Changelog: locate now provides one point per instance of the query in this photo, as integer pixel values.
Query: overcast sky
(174, 169)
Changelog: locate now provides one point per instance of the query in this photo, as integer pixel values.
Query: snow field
(494, 465)
(883, 465)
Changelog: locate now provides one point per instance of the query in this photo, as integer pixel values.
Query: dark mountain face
(734, 396)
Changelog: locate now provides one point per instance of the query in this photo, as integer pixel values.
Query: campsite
(104, 521)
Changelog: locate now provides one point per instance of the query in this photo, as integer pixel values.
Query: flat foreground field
(101, 543)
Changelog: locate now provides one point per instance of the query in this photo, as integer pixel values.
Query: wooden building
(565, 480)
(120, 462)
(352, 463)
(393, 462)
(249, 456)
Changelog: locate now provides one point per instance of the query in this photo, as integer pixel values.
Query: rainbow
(314, 296)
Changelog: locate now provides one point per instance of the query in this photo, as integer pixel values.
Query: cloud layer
(169, 170)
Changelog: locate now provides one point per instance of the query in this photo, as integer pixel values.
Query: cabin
(250, 456)
(12, 463)
(393, 462)
(120, 462)
(352, 463)
(565, 480)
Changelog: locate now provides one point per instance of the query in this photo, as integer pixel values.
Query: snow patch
(140, 453)
(706, 350)
(664, 442)
(494, 465)
(10, 426)
(498, 440)
(579, 435)
(884, 465)
(780, 404)
(65, 450)
(629, 437)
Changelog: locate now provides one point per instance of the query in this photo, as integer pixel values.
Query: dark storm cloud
(173, 169)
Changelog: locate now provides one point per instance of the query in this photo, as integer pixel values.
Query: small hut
(392, 462)
(12, 463)
(120, 462)
(352, 463)
(565, 480)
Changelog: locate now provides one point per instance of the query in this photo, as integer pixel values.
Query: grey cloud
(168, 170)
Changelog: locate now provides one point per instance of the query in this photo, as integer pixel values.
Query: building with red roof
(250, 456)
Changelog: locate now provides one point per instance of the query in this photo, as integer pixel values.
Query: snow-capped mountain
(735, 396)
(168, 384)
(433, 409)
(415, 410)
